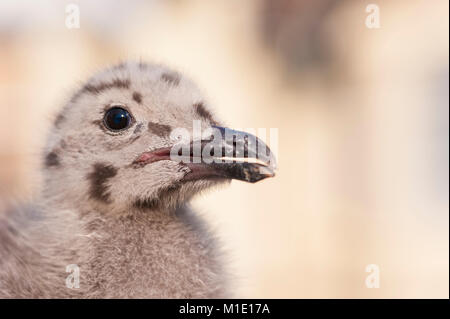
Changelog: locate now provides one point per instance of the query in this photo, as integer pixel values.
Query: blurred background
(362, 116)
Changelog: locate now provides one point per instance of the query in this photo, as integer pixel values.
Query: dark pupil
(117, 118)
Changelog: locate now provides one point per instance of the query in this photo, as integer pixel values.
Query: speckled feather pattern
(129, 229)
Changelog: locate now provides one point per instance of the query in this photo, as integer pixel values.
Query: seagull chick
(113, 219)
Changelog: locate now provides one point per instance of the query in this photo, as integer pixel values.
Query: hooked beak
(226, 154)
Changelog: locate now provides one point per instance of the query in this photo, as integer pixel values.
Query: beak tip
(259, 174)
(266, 171)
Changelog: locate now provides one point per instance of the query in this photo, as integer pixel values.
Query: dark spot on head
(171, 78)
(59, 119)
(137, 97)
(159, 129)
(99, 177)
(75, 97)
(203, 112)
(97, 88)
(52, 159)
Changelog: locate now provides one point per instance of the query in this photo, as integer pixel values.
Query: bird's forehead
(147, 87)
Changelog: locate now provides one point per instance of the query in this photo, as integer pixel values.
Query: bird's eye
(117, 119)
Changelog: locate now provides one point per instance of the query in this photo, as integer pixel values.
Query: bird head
(127, 139)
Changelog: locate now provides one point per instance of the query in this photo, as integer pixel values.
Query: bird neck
(130, 251)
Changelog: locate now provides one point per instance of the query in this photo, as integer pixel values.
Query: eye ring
(117, 118)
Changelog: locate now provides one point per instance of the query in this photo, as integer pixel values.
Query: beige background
(362, 117)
